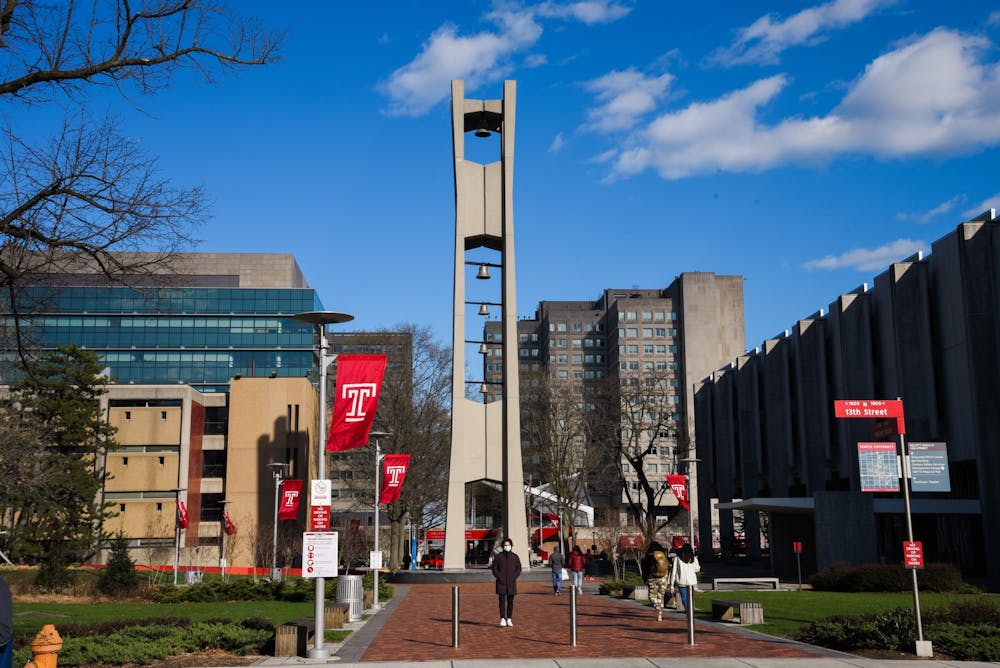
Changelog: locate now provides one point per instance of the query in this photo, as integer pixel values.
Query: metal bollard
(454, 616)
(45, 648)
(572, 616)
(690, 614)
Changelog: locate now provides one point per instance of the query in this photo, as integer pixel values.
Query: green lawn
(786, 611)
(29, 617)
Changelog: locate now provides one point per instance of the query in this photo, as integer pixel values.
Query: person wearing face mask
(506, 569)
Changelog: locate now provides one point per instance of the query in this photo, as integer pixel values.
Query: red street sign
(797, 547)
(871, 408)
(319, 518)
(913, 554)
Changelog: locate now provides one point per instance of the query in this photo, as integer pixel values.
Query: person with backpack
(656, 570)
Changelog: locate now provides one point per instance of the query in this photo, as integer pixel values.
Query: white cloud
(869, 259)
(988, 203)
(940, 209)
(485, 56)
(606, 156)
(417, 86)
(590, 12)
(535, 60)
(557, 143)
(624, 97)
(930, 95)
(994, 18)
(764, 40)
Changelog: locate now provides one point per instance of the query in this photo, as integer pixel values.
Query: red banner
(359, 380)
(678, 485)
(230, 528)
(182, 515)
(393, 476)
(290, 492)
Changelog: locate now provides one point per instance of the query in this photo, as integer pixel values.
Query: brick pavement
(420, 629)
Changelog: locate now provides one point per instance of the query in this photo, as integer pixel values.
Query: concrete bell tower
(485, 435)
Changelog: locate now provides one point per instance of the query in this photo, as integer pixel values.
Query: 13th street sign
(871, 408)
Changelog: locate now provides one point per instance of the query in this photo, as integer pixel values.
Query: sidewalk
(416, 626)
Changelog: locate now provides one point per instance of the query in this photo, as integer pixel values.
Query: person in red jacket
(577, 563)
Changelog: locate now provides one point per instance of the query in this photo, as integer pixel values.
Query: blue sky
(801, 145)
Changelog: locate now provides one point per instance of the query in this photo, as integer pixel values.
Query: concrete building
(925, 331)
(210, 385)
(676, 334)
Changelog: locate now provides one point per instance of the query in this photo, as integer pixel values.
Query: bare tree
(637, 425)
(88, 191)
(556, 428)
(413, 407)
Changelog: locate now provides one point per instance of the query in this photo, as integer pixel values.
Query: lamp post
(177, 528)
(321, 319)
(222, 539)
(277, 469)
(692, 471)
(377, 435)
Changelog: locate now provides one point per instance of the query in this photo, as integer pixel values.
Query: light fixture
(483, 309)
(484, 273)
(483, 388)
(483, 132)
(483, 349)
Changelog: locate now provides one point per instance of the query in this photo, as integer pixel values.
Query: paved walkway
(419, 628)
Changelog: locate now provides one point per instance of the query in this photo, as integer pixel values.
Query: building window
(589, 359)
(634, 366)
(564, 375)
(623, 365)
(661, 331)
(673, 315)
(522, 337)
(647, 349)
(647, 315)
(577, 359)
(577, 343)
(560, 326)
(561, 359)
(163, 415)
(534, 337)
(128, 415)
(647, 332)
(672, 349)
(588, 343)
(524, 352)
(659, 316)
(162, 460)
(577, 326)
(534, 352)
(648, 366)
(124, 461)
(662, 350)
(159, 507)
(632, 332)
(121, 507)
(630, 315)
(633, 349)
(621, 332)
(671, 332)
(560, 343)
(578, 375)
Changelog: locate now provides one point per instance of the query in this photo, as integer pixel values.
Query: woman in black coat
(506, 569)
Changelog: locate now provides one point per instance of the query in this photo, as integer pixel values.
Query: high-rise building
(925, 332)
(672, 336)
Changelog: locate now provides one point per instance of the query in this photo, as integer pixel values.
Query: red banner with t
(359, 381)
(393, 476)
(230, 527)
(291, 490)
(182, 515)
(678, 485)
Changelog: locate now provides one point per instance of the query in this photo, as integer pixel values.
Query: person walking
(506, 569)
(6, 626)
(685, 572)
(656, 570)
(576, 564)
(556, 563)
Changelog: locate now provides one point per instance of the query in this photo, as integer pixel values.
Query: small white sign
(375, 559)
(321, 493)
(319, 554)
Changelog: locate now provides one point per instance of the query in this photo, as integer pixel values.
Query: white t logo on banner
(357, 393)
(394, 473)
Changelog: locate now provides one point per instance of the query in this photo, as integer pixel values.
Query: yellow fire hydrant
(45, 648)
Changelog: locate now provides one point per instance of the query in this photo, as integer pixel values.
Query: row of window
(576, 327)
(576, 343)
(655, 316)
(648, 365)
(170, 300)
(647, 349)
(647, 332)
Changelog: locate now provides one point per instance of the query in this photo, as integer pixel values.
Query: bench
(770, 582)
(750, 612)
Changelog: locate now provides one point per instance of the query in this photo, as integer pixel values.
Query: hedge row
(140, 642)
(886, 577)
(965, 630)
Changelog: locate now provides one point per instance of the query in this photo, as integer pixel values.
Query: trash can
(350, 590)
(193, 577)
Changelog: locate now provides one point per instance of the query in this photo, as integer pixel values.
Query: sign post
(881, 409)
(797, 548)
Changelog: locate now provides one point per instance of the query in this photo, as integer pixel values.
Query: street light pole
(321, 319)
(277, 469)
(692, 471)
(377, 435)
(177, 528)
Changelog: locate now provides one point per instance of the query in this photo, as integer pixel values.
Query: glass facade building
(198, 336)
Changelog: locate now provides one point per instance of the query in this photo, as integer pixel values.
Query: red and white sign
(319, 518)
(871, 408)
(678, 485)
(913, 554)
(359, 380)
(319, 554)
(182, 515)
(797, 546)
(392, 479)
(291, 490)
